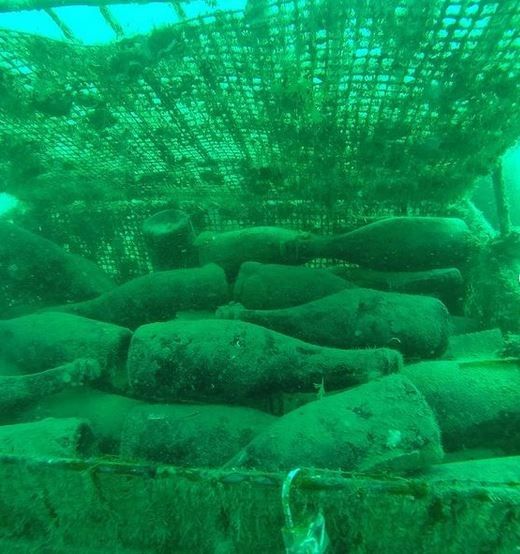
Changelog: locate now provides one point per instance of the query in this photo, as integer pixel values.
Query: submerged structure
(248, 300)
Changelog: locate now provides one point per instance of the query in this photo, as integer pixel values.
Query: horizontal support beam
(20, 5)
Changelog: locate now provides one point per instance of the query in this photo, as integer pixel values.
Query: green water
(259, 277)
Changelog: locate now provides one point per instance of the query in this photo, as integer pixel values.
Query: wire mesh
(302, 104)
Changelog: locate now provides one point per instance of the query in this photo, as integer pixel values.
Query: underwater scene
(260, 276)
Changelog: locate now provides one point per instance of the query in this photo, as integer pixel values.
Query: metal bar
(504, 218)
(112, 21)
(177, 8)
(64, 28)
(20, 5)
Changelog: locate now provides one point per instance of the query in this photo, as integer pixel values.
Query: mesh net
(294, 111)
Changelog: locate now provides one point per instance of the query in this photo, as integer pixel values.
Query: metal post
(504, 218)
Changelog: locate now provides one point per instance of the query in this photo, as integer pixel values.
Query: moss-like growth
(233, 361)
(383, 425)
(417, 326)
(156, 297)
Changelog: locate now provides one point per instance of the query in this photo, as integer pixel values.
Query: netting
(304, 104)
